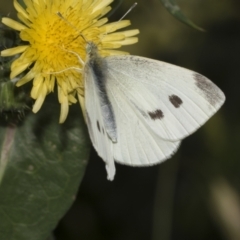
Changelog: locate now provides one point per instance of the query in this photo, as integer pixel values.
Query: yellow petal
(18, 70)
(102, 5)
(129, 41)
(36, 90)
(112, 27)
(113, 37)
(20, 9)
(40, 99)
(111, 45)
(13, 51)
(28, 77)
(131, 33)
(38, 80)
(100, 22)
(64, 110)
(61, 95)
(71, 98)
(65, 88)
(52, 83)
(105, 11)
(13, 24)
(38, 103)
(24, 20)
(80, 91)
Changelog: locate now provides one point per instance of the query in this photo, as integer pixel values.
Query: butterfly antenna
(61, 16)
(128, 11)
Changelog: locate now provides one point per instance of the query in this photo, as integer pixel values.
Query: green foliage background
(42, 164)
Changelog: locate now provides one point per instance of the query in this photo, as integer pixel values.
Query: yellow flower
(48, 57)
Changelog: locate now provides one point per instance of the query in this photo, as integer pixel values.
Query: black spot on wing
(98, 126)
(175, 100)
(211, 92)
(157, 114)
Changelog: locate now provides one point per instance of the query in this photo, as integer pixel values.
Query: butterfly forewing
(95, 122)
(173, 102)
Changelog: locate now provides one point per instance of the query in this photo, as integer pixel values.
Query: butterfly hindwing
(96, 123)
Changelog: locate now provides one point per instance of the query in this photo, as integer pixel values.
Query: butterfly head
(91, 49)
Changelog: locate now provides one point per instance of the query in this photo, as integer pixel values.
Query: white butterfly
(138, 110)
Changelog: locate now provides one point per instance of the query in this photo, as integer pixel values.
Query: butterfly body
(138, 109)
(97, 68)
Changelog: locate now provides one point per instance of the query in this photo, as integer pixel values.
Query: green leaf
(41, 166)
(175, 10)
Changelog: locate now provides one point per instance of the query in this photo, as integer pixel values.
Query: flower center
(52, 41)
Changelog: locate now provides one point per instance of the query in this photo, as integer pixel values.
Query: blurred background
(195, 194)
